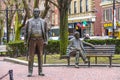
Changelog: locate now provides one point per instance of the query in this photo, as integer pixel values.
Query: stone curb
(17, 61)
(53, 65)
(26, 62)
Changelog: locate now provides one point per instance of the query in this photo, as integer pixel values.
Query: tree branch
(24, 21)
(54, 3)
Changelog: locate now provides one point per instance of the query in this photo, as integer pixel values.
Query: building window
(80, 6)
(75, 7)
(118, 13)
(53, 18)
(110, 13)
(70, 9)
(107, 15)
(103, 15)
(86, 5)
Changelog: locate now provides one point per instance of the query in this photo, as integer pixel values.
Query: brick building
(107, 18)
(86, 14)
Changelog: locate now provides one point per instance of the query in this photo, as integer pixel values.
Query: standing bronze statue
(36, 38)
(77, 45)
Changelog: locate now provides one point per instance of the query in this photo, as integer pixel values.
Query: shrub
(107, 42)
(16, 48)
(53, 46)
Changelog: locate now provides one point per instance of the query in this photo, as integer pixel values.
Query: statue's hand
(78, 49)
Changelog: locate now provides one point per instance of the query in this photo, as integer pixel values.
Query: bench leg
(68, 60)
(95, 59)
(89, 62)
(110, 61)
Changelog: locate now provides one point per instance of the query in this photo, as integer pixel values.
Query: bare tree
(14, 6)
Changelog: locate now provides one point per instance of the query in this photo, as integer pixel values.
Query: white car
(54, 38)
(100, 37)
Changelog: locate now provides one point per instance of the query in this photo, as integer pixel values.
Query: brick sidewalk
(60, 73)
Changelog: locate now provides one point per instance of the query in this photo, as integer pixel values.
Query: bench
(99, 51)
(3, 49)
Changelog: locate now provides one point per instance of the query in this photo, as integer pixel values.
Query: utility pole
(114, 18)
(7, 27)
(7, 24)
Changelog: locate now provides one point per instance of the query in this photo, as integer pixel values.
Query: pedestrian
(86, 37)
(36, 37)
(76, 45)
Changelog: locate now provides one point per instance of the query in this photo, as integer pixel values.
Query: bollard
(11, 74)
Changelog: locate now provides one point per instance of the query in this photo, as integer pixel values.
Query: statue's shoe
(41, 74)
(76, 66)
(29, 75)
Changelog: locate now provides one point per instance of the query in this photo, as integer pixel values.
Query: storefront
(84, 25)
(109, 29)
(82, 28)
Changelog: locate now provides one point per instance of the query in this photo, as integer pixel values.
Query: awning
(81, 18)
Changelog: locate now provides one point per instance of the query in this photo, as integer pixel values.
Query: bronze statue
(36, 38)
(77, 45)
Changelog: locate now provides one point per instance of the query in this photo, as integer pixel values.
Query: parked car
(53, 38)
(70, 37)
(100, 37)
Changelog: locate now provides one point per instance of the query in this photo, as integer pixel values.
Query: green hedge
(107, 41)
(53, 47)
(17, 48)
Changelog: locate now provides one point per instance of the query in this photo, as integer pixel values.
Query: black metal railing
(10, 73)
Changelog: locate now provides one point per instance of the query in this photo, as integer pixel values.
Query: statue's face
(36, 13)
(77, 36)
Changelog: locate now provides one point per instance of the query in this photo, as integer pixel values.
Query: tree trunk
(17, 27)
(63, 31)
(36, 3)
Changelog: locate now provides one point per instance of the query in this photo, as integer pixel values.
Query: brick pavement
(60, 73)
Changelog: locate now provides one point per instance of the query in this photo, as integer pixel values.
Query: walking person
(86, 37)
(36, 37)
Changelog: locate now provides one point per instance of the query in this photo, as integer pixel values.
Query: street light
(114, 18)
(7, 24)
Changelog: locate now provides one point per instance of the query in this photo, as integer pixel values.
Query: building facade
(110, 21)
(83, 17)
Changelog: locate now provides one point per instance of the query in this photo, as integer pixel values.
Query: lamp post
(114, 19)
(0, 35)
(7, 24)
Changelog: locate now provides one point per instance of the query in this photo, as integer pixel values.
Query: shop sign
(110, 24)
(118, 23)
(107, 25)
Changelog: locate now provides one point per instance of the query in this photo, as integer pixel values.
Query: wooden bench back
(98, 50)
(101, 49)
